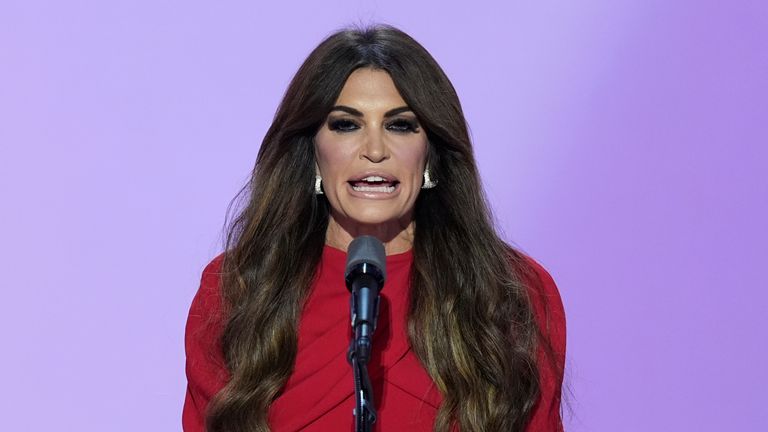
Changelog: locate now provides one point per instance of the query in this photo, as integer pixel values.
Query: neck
(397, 236)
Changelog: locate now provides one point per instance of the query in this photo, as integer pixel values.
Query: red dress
(318, 396)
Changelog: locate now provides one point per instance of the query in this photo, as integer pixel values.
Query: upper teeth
(373, 179)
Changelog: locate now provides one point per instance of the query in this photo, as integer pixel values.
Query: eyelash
(401, 126)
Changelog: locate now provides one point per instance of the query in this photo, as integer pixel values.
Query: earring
(428, 182)
(318, 185)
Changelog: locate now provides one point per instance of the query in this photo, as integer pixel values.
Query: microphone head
(366, 255)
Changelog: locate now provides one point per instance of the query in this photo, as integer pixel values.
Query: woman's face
(371, 153)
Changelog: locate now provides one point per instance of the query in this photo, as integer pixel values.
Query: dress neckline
(338, 254)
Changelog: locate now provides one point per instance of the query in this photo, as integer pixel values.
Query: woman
(370, 139)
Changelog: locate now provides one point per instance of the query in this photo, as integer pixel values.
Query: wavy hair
(472, 328)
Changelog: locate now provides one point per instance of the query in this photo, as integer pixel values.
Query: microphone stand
(365, 407)
(360, 349)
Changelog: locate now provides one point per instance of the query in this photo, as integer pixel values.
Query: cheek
(413, 159)
(331, 155)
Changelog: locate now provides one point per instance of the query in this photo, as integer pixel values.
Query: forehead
(370, 89)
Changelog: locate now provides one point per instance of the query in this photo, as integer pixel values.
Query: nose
(374, 148)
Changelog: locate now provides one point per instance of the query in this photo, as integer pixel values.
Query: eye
(342, 125)
(403, 126)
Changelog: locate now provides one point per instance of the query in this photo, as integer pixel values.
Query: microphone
(364, 274)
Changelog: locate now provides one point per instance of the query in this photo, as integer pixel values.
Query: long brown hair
(472, 327)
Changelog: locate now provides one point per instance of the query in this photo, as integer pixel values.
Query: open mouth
(374, 183)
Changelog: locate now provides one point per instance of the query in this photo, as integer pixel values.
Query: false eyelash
(401, 126)
(404, 125)
(342, 125)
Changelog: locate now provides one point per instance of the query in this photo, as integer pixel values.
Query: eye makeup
(342, 125)
(403, 125)
(398, 125)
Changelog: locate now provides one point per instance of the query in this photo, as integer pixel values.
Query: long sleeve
(206, 371)
(550, 316)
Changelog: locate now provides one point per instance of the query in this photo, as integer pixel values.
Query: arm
(206, 370)
(550, 317)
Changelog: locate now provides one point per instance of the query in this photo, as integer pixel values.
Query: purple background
(622, 144)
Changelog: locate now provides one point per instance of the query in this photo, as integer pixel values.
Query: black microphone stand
(365, 407)
(364, 287)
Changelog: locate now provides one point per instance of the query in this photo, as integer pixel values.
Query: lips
(374, 183)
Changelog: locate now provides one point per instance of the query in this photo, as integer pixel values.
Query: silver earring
(318, 185)
(428, 182)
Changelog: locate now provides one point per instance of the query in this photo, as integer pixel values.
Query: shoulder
(550, 319)
(207, 300)
(205, 320)
(205, 365)
(211, 277)
(545, 299)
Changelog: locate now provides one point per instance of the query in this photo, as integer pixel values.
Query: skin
(349, 146)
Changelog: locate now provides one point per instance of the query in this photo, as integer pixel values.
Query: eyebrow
(356, 113)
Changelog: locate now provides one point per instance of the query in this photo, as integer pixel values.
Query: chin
(366, 218)
(371, 214)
